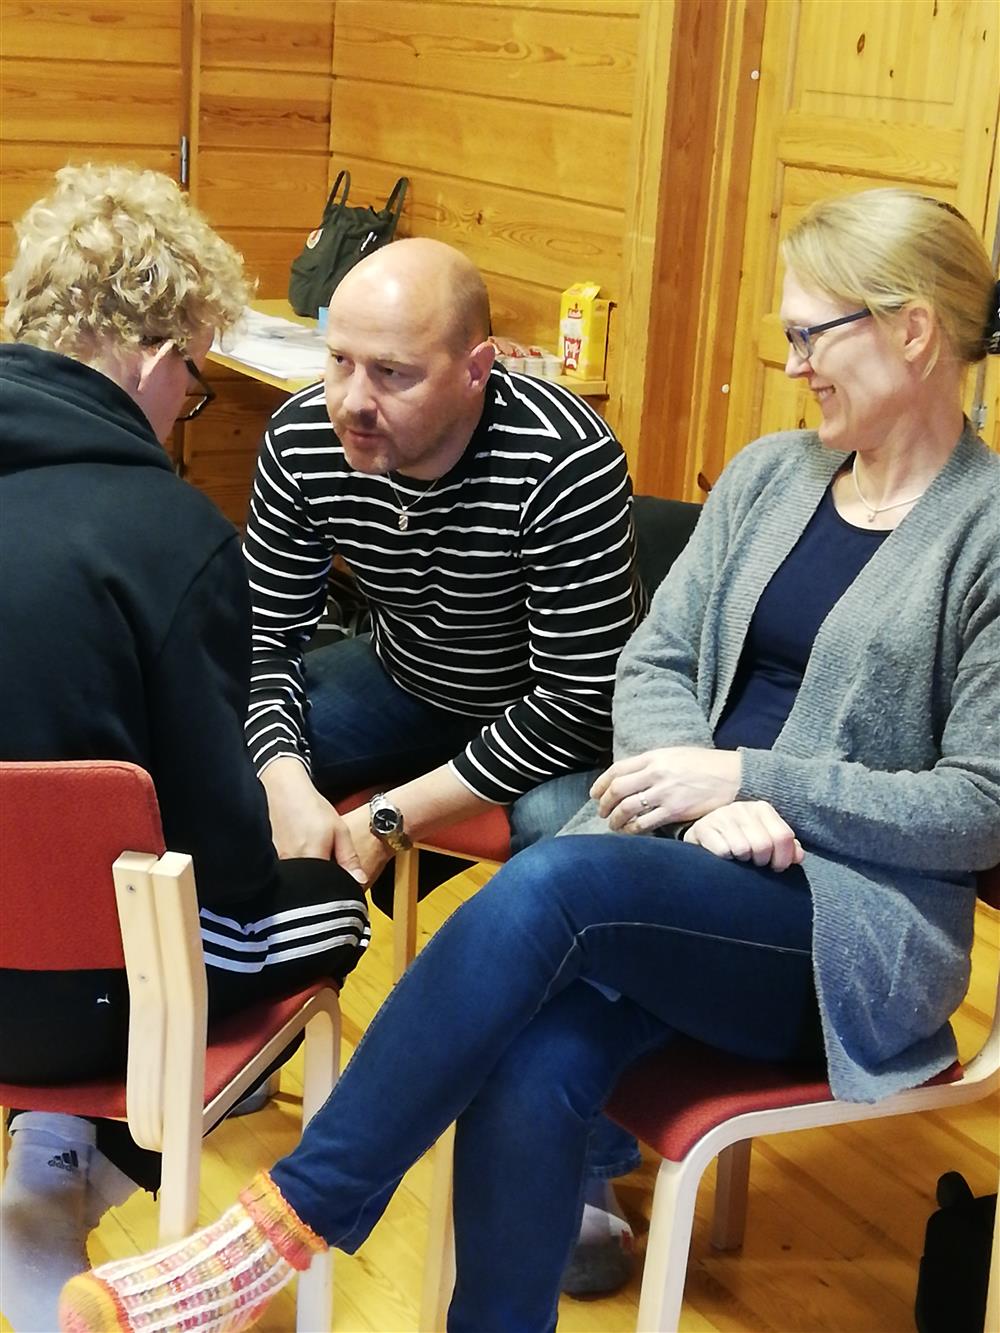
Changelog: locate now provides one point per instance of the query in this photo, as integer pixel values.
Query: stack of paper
(279, 347)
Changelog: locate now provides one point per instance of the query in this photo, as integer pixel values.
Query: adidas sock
(219, 1280)
(43, 1228)
(107, 1187)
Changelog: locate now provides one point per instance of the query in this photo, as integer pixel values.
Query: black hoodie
(124, 615)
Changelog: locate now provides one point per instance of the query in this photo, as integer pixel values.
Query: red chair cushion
(64, 825)
(484, 837)
(233, 1043)
(672, 1098)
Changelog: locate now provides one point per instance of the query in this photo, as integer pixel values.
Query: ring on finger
(643, 801)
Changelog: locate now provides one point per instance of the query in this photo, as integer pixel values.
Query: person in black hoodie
(125, 634)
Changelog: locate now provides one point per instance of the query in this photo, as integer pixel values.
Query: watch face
(385, 821)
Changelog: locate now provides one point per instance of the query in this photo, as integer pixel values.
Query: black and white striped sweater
(508, 597)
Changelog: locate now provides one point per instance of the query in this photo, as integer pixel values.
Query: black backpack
(343, 237)
(955, 1266)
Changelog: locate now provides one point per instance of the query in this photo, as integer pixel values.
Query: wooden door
(853, 95)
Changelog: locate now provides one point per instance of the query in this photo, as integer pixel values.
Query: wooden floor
(835, 1225)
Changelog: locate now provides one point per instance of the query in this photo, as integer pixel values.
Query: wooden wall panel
(105, 31)
(252, 192)
(263, 124)
(512, 53)
(512, 121)
(87, 81)
(256, 34)
(551, 150)
(287, 111)
(66, 102)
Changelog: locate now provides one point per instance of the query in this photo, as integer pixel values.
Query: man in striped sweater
(486, 518)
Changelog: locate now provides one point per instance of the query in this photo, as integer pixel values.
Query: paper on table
(279, 347)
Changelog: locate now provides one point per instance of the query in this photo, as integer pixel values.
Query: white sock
(107, 1187)
(43, 1227)
(603, 1219)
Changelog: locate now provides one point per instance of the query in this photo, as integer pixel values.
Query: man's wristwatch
(386, 822)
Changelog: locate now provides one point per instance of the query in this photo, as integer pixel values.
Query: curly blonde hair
(884, 248)
(118, 256)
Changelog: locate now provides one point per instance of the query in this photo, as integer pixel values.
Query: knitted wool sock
(219, 1280)
(43, 1222)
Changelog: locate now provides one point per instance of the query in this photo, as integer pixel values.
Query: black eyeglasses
(203, 395)
(801, 337)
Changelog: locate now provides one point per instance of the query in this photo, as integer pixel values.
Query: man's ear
(480, 363)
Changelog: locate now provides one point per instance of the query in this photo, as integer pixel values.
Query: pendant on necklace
(402, 522)
(871, 517)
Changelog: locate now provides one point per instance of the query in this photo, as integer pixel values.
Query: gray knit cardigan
(888, 766)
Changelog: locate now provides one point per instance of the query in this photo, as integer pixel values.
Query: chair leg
(178, 1205)
(404, 911)
(439, 1264)
(667, 1247)
(314, 1299)
(732, 1182)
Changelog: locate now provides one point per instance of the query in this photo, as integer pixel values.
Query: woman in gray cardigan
(810, 710)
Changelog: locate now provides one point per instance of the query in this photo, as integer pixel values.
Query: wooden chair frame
(168, 1024)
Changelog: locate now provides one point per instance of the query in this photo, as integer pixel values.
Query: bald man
(486, 518)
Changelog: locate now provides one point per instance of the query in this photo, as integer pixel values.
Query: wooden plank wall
(91, 81)
(97, 80)
(262, 127)
(260, 130)
(512, 121)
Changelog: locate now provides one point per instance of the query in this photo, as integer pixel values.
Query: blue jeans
(364, 729)
(494, 1026)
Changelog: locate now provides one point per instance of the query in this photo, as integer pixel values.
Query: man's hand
(373, 854)
(666, 786)
(747, 831)
(304, 823)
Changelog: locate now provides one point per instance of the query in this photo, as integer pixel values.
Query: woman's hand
(747, 831)
(666, 786)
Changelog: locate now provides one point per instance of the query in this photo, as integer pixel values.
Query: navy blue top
(818, 570)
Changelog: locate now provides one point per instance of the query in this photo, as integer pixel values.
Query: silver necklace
(403, 517)
(874, 512)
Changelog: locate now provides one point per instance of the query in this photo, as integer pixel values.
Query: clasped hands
(679, 783)
(304, 823)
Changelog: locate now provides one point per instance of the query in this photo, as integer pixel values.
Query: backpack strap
(394, 204)
(340, 205)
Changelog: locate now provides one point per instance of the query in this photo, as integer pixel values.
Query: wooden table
(585, 388)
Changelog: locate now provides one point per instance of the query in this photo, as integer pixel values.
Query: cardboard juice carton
(583, 331)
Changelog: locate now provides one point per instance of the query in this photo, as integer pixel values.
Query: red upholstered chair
(692, 1103)
(83, 840)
